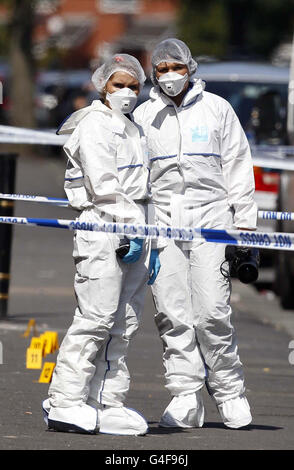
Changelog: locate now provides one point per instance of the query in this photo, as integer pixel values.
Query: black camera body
(123, 248)
(243, 263)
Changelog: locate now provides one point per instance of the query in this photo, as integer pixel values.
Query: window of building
(118, 6)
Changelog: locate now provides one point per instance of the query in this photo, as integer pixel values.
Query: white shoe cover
(80, 418)
(122, 421)
(46, 408)
(235, 413)
(184, 411)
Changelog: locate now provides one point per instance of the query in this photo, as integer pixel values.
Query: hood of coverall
(71, 122)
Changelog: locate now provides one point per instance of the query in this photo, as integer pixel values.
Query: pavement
(41, 288)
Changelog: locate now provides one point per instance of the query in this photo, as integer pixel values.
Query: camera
(243, 263)
(123, 248)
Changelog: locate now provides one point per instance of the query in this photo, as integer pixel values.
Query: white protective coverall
(201, 175)
(106, 179)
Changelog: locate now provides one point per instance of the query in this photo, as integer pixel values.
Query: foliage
(270, 23)
(228, 27)
(3, 41)
(204, 27)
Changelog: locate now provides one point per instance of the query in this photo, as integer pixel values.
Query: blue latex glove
(135, 251)
(154, 266)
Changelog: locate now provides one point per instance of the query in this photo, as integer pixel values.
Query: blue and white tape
(273, 241)
(22, 135)
(274, 215)
(262, 214)
(42, 199)
(278, 157)
(275, 157)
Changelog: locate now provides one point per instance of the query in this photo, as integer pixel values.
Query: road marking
(36, 291)
(13, 327)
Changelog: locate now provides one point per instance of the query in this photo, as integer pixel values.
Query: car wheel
(284, 281)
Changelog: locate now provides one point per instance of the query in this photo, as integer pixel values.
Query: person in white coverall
(106, 179)
(201, 175)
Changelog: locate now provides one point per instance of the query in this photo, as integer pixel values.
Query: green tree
(204, 27)
(22, 63)
(257, 27)
(232, 28)
(270, 23)
(16, 46)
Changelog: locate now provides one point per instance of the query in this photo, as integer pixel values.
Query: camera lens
(247, 273)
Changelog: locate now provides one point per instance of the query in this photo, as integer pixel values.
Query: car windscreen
(267, 101)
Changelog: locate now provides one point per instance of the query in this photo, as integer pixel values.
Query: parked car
(59, 93)
(258, 93)
(284, 279)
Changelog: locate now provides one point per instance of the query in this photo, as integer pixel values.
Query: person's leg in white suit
(216, 335)
(184, 368)
(110, 383)
(98, 287)
(193, 317)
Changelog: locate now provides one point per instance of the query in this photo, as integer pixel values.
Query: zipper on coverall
(179, 156)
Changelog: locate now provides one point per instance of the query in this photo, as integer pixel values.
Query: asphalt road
(41, 288)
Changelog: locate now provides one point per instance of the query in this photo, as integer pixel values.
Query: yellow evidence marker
(35, 353)
(34, 358)
(46, 343)
(52, 338)
(37, 343)
(31, 325)
(47, 372)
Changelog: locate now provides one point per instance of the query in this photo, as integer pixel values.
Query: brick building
(85, 32)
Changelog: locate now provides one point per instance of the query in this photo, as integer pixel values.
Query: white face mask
(123, 100)
(172, 83)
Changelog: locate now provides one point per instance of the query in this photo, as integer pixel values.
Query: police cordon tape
(22, 135)
(42, 199)
(274, 157)
(274, 241)
(279, 160)
(279, 157)
(262, 214)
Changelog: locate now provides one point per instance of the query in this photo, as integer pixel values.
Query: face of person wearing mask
(121, 92)
(173, 79)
